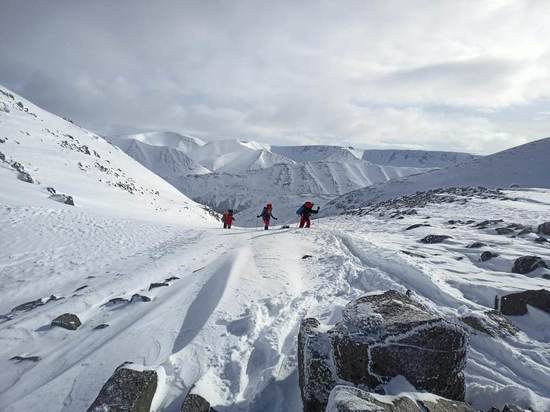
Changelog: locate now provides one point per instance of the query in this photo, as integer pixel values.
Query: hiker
(305, 211)
(266, 215)
(227, 219)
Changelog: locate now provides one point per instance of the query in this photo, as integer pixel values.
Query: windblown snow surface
(226, 323)
(416, 158)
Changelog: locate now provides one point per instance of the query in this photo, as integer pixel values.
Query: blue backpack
(300, 210)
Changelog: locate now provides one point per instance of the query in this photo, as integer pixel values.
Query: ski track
(227, 327)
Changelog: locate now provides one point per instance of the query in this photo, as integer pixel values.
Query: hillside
(525, 165)
(172, 140)
(50, 152)
(416, 158)
(315, 153)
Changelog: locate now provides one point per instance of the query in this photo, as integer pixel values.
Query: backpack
(300, 210)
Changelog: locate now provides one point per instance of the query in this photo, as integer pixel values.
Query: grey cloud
(382, 73)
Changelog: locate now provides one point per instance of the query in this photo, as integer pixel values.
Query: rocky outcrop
(527, 264)
(490, 323)
(196, 403)
(435, 239)
(67, 321)
(485, 256)
(62, 198)
(351, 399)
(544, 229)
(515, 304)
(127, 390)
(504, 231)
(316, 372)
(380, 337)
(476, 245)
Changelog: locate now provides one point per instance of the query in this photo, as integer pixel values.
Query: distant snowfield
(226, 322)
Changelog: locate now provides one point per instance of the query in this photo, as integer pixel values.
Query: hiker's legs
(302, 221)
(308, 222)
(224, 225)
(266, 223)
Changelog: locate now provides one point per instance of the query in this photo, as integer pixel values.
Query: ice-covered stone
(515, 304)
(526, 264)
(544, 228)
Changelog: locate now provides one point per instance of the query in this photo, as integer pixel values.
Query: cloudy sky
(454, 75)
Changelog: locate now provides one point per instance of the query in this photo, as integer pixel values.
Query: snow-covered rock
(350, 399)
(515, 304)
(196, 403)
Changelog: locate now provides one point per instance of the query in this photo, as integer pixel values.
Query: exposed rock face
(350, 399)
(435, 239)
(127, 390)
(515, 304)
(62, 198)
(504, 231)
(544, 228)
(485, 256)
(316, 374)
(67, 321)
(526, 264)
(157, 285)
(196, 403)
(380, 337)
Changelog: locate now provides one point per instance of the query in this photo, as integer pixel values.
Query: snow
(226, 325)
(172, 140)
(525, 166)
(416, 158)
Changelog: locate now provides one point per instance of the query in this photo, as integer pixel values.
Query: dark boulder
(544, 228)
(417, 225)
(526, 264)
(157, 285)
(315, 372)
(19, 359)
(485, 256)
(515, 304)
(382, 336)
(127, 390)
(67, 321)
(435, 239)
(476, 245)
(101, 326)
(350, 399)
(504, 231)
(139, 298)
(196, 403)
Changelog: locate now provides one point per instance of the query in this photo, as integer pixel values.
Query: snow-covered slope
(286, 185)
(236, 156)
(318, 152)
(170, 164)
(172, 140)
(526, 165)
(76, 162)
(416, 158)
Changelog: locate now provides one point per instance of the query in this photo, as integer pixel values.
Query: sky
(420, 74)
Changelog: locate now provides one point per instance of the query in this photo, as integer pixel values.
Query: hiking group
(305, 211)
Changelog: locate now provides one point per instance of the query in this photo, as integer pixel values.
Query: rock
(515, 304)
(525, 231)
(81, 288)
(67, 321)
(157, 285)
(435, 239)
(116, 301)
(139, 298)
(526, 264)
(413, 254)
(196, 403)
(26, 358)
(504, 231)
(307, 257)
(24, 307)
(350, 399)
(315, 374)
(62, 198)
(476, 245)
(485, 256)
(383, 336)
(25, 177)
(171, 278)
(417, 225)
(544, 228)
(285, 227)
(490, 323)
(541, 239)
(486, 223)
(2, 157)
(127, 390)
(51, 190)
(101, 326)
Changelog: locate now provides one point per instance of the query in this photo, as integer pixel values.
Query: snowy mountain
(57, 156)
(169, 163)
(315, 153)
(287, 185)
(416, 158)
(525, 165)
(236, 156)
(172, 140)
